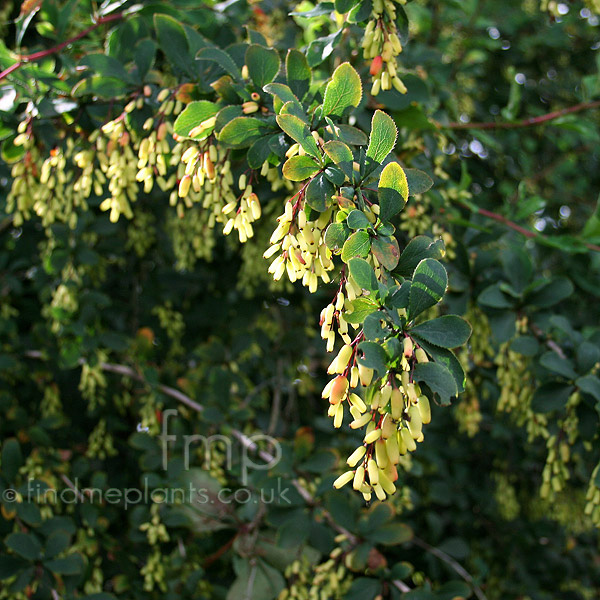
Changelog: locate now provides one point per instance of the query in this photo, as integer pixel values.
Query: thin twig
(23, 60)
(451, 562)
(518, 228)
(531, 122)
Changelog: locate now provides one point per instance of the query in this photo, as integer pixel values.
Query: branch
(518, 228)
(452, 563)
(23, 60)
(531, 122)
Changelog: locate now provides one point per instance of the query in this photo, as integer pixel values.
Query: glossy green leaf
(449, 331)
(343, 91)
(318, 195)
(418, 181)
(416, 250)
(358, 220)
(393, 191)
(438, 378)
(194, 114)
(222, 58)
(242, 131)
(335, 236)
(300, 133)
(174, 43)
(358, 244)
(361, 308)
(363, 274)
(299, 168)
(298, 73)
(382, 139)
(341, 155)
(428, 286)
(374, 357)
(263, 64)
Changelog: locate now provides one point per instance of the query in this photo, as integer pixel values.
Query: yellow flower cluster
(382, 44)
(300, 246)
(393, 416)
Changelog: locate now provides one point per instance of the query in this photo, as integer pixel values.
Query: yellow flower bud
(421, 356)
(373, 471)
(373, 436)
(342, 480)
(356, 456)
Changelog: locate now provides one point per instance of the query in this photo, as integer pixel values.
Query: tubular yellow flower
(343, 479)
(356, 456)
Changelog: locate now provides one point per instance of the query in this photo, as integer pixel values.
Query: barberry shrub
(223, 222)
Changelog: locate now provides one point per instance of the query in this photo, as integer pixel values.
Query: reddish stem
(43, 53)
(522, 230)
(526, 122)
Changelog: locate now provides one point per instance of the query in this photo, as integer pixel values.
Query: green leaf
(299, 168)
(222, 59)
(358, 244)
(551, 396)
(319, 49)
(174, 43)
(449, 331)
(358, 220)
(374, 357)
(343, 6)
(363, 274)
(382, 139)
(363, 587)
(361, 308)
(446, 358)
(335, 236)
(348, 135)
(25, 545)
(194, 114)
(416, 250)
(526, 345)
(428, 286)
(56, 543)
(391, 534)
(341, 155)
(493, 297)
(343, 91)
(259, 152)
(438, 378)
(298, 130)
(284, 94)
(106, 66)
(562, 366)
(12, 458)
(10, 566)
(263, 64)
(588, 355)
(103, 87)
(318, 196)
(552, 293)
(418, 181)
(298, 73)
(590, 384)
(69, 565)
(386, 251)
(242, 131)
(393, 191)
